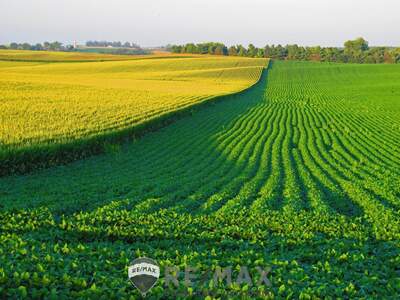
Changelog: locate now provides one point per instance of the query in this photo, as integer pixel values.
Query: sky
(160, 22)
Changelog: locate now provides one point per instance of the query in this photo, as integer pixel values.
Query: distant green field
(55, 112)
(300, 173)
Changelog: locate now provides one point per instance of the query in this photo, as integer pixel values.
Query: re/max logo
(191, 275)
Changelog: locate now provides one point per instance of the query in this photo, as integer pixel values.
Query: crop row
(57, 112)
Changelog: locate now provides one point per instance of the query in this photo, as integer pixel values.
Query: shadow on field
(230, 154)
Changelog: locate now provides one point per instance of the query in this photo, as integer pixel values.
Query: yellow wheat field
(45, 103)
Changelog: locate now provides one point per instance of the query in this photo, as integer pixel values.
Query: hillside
(56, 112)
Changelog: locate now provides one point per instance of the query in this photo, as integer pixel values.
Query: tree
(26, 46)
(331, 54)
(46, 45)
(232, 51)
(190, 48)
(269, 51)
(251, 50)
(396, 55)
(388, 56)
(260, 52)
(202, 48)
(241, 50)
(313, 53)
(211, 49)
(134, 45)
(38, 46)
(221, 50)
(292, 51)
(114, 44)
(280, 52)
(176, 49)
(55, 46)
(354, 49)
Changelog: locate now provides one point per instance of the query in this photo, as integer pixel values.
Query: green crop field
(299, 173)
(55, 112)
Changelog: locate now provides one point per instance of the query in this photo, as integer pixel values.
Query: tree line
(112, 44)
(354, 51)
(53, 46)
(117, 47)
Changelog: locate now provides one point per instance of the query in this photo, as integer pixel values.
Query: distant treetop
(112, 44)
